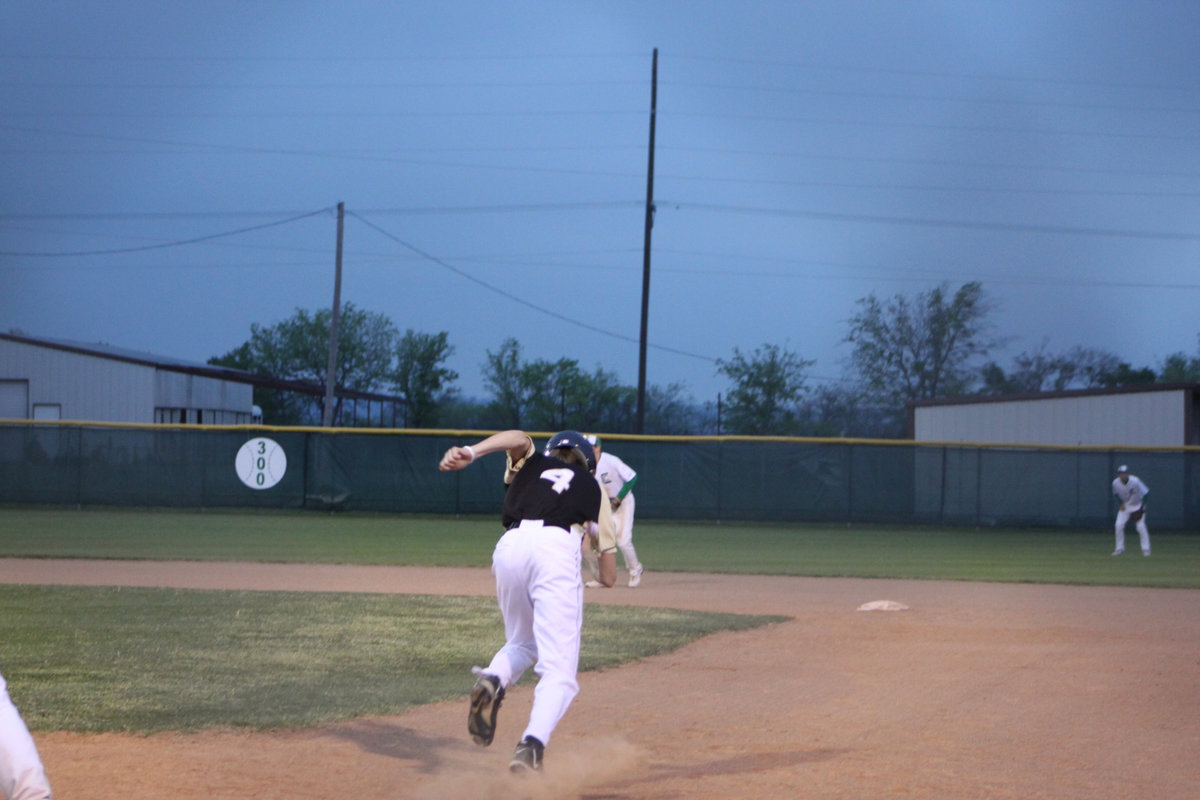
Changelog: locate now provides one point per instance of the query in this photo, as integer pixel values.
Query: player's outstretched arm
(457, 457)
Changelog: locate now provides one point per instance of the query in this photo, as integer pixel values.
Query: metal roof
(170, 364)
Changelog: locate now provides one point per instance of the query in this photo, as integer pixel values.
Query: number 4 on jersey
(561, 478)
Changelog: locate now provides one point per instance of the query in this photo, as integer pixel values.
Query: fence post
(978, 487)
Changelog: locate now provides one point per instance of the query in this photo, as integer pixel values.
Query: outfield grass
(1042, 556)
(96, 659)
(134, 659)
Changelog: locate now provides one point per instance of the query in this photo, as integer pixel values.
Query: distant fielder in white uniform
(1130, 490)
(617, 479)
(21, 774)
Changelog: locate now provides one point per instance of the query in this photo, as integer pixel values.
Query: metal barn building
(1153, 415)
(46, 379)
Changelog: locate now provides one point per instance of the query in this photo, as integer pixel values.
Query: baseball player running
(618, 479)
(21, 774)
(538, 583)
(1130, 490)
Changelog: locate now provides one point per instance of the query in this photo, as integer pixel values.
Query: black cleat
(528, 757)
(485, 705)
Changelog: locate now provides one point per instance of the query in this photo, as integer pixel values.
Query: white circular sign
(261, 463)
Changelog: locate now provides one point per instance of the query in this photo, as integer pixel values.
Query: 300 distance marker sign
(261, 463)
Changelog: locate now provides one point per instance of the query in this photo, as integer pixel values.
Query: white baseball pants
(21, 774)
(1143, 531)
(540, 592)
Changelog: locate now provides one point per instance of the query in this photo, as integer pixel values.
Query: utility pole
(641, 390)
(331, 370)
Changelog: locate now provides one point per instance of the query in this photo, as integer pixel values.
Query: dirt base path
(977, 691)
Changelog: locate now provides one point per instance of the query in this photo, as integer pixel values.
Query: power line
(893, 187)
(333, 154)
(164, 245)
(929, 222)
(774, 64)
(1099, 133)
(527, 169)
(908, 274)
(932, 162)
(915, 73)
(907, 97)
(502, 208)
(509, 295)
(338, 85)
(148, 215)
(172, 86)
(355, 59)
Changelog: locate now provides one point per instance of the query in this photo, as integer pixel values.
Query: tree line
(904, 348)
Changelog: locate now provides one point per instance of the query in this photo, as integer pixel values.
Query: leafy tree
(279, 407)
(1039, 371)
(1088, 365)
(552, 395)
(1181, 368)
(420, 376)
(1031, 372)
(502, 374)
(845, 411)
(767, 387)
(546, 385)
(588, 401)
(298, 349)
(1127, 375)
(918, 348)
(669, 410)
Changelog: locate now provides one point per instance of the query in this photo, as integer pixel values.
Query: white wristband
(467, 447)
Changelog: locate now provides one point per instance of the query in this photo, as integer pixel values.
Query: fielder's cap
(1122, 468)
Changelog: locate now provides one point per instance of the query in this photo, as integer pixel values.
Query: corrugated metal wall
(86, 387)
(1137, 419)
(89, 387)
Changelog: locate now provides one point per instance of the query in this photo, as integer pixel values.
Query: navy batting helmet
(573, 440)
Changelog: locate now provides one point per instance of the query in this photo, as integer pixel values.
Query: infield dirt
(977, 691)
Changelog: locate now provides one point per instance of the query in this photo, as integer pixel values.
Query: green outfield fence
(682, 478)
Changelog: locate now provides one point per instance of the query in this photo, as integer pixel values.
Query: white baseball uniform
(21, 774)
(614, 474)
(1130, 492)
(538, 583)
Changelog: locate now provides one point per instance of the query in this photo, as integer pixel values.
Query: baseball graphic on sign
(261, 463)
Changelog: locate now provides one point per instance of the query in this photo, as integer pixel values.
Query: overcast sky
(169, 172)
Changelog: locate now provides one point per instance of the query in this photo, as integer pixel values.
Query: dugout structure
(681, 478)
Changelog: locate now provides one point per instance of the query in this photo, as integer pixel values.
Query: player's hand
(455, 458)
(614, 503)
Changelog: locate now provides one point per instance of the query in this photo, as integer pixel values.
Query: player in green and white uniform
(617, 478)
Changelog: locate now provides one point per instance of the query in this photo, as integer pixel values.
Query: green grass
(99, 659)
(105, 659)
(1004, 555)
(308, 537)
(1043, 556)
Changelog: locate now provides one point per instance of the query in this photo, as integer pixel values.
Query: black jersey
(553, 491)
